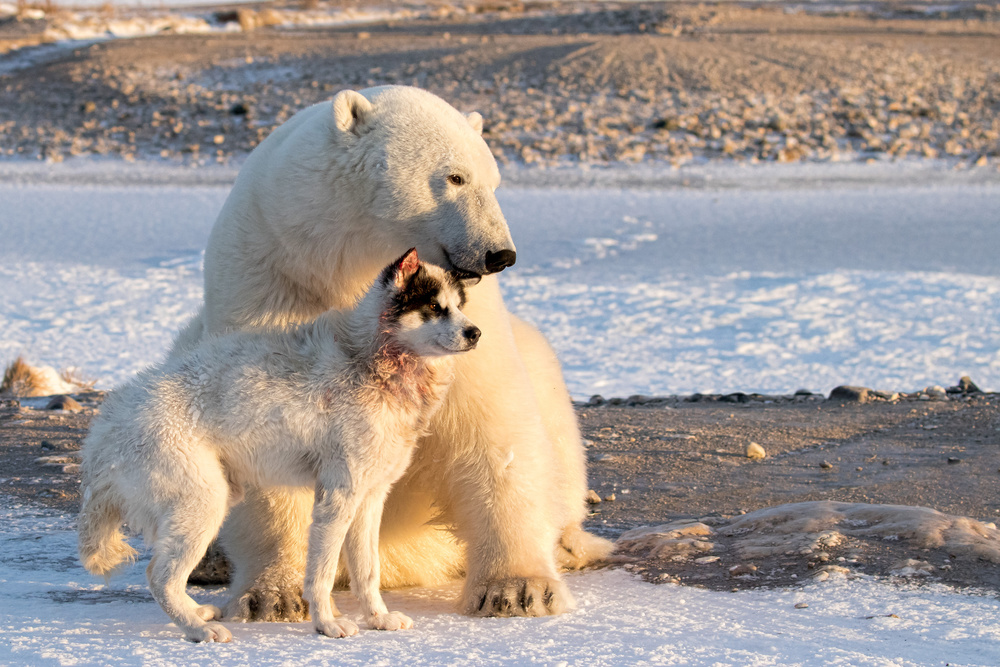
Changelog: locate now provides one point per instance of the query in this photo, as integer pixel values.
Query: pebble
(801, 605)
(954, 459)
(936, 393)
(742, 570)
(826, 465)
(705, 560)
(849, 394)
(610, 498)
(592, 497)
(755, 452)
(67, 403)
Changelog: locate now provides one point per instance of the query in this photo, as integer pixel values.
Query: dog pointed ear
(405, 267)
(351, 112)
(476, 121)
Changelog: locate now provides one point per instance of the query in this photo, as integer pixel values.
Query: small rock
(803, 392)
(954, 459)
(965, 386)
(755, 452)
(742, 570)
(801, 605)
(885, 395)
(596, 399)
(610, 498)
(825, 465)
(936, 392)
(67, 403)
(850, 394)
(238, 109)
(705, 560)
(738, 397)
(968, 386)
(592, 497)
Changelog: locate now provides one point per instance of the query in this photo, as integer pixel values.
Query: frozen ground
(769, 286)
(54, 613)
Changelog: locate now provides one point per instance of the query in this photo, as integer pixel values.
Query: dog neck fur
(367, 335)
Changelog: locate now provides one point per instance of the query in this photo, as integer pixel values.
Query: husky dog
(339, 402)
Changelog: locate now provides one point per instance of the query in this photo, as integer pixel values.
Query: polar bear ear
(406, 266)
(476, 121)
(351, 112)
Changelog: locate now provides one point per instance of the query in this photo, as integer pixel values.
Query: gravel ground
(559, 84)
(682, 458)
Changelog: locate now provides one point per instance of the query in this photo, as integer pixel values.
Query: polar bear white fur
(496, 492)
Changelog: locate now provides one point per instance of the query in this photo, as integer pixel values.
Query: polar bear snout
(498, 261)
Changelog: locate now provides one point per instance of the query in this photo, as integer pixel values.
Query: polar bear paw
(391, 620)
(336, 627)
(210, 632)
(268, 605)
(521, 596)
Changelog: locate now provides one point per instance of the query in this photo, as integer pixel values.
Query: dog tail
(102, 544)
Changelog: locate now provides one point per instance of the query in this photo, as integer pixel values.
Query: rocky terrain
(686, 464)
(559, 83)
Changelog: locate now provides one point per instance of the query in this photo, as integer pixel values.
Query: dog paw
(522, 596)
(336, 627)
(268, 605)
(210, 632)
(209, 612)
(392, 620)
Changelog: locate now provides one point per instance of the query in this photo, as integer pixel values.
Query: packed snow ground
(53, 613)
(651, 291)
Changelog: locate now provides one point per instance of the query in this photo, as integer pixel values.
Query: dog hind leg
(183, 536)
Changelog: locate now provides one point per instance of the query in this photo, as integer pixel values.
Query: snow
(755, 284)
(652, 290)
(53, 613)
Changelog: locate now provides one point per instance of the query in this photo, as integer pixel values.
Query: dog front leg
(332, 515)
(363, 563)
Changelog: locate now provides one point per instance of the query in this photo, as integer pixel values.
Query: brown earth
(558, 83)
(678, 459)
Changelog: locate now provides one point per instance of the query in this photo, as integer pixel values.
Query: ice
(53, 612)
(770, 287)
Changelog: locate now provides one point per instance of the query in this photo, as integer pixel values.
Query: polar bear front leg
(500, 488)
(265, 537)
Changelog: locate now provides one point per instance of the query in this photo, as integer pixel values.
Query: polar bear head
(428, 177)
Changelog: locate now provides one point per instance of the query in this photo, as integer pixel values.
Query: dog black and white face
(426, 308)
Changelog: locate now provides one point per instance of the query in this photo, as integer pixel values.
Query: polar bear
(496, 492)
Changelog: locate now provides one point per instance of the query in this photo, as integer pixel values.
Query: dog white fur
(337, 404)
(496, 490)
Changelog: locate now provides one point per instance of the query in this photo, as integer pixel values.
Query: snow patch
(810, 526)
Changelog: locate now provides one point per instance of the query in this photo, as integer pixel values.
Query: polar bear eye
(456, 179)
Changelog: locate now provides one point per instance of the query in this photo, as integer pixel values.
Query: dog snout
(500, 260)
(472, 335)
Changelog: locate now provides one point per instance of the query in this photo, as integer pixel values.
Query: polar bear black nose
(498, 261)
(472, 334)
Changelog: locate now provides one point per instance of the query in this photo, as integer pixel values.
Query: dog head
(424, 308)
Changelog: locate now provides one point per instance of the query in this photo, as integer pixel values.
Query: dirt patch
(558, 84)
(682, 462)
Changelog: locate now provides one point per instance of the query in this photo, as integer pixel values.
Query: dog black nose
(498, 261)
(472, 334)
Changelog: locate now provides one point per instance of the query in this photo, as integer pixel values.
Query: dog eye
(433, 307)
(456, 179)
